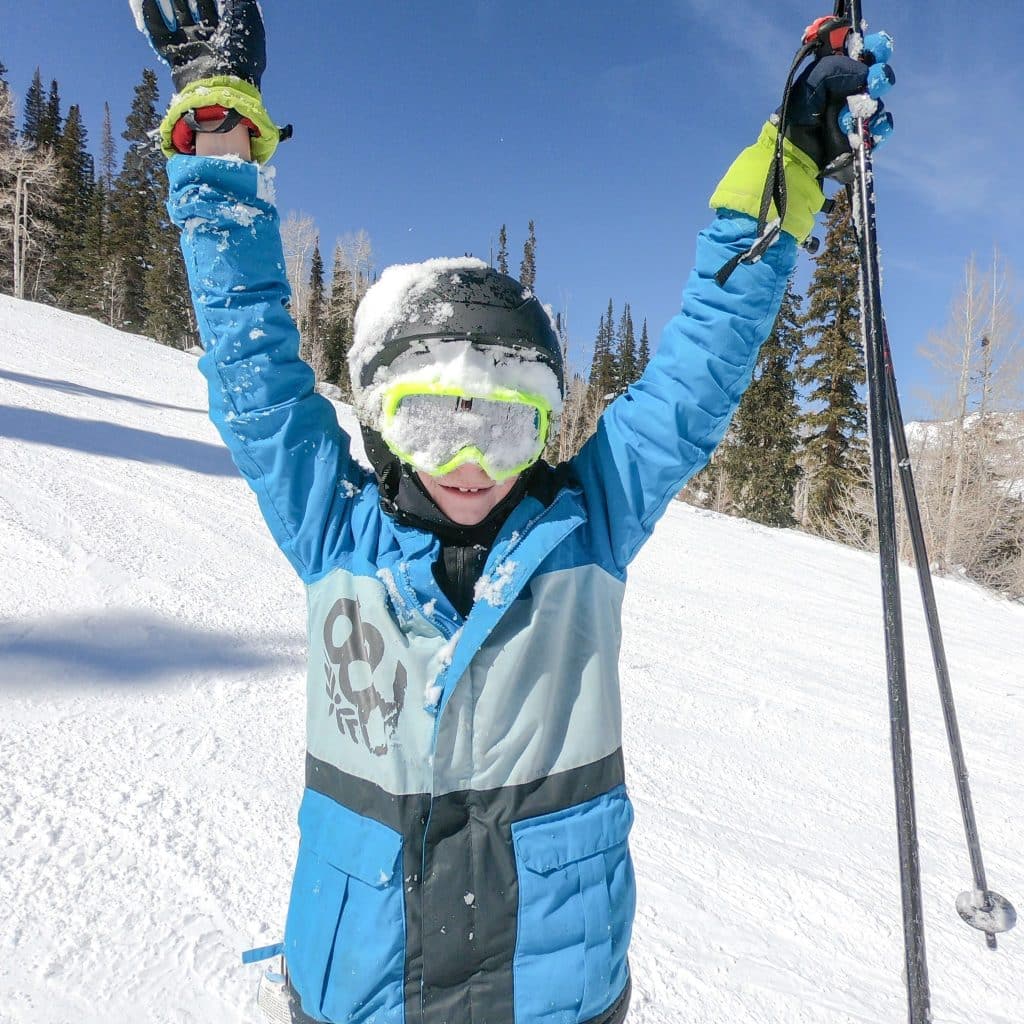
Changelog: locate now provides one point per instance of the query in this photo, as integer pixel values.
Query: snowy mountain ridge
(151, 752)
(1006, 439)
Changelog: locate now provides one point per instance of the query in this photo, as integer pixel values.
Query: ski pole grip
(881, 78)
(882, 126)
(879, 45)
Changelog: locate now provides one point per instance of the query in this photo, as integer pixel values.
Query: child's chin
(466, 509)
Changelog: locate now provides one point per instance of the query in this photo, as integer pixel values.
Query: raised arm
(653, 438)
(283, 437)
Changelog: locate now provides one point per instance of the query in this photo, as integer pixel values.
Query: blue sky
(609, 124)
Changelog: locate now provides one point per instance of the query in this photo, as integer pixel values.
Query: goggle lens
(436, 433)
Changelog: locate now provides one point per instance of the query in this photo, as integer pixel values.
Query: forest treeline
(90, 234)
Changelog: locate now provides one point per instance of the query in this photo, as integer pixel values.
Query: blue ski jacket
(463, 854)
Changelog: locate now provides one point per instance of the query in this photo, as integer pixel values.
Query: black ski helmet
(482, 306)
(450, 300)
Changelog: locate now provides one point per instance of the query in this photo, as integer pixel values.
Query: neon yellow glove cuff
(743, 185)
(223, 91)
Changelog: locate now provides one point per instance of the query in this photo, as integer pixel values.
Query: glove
(205, 39)
(827, 90)
(818, 130)
(217, 53)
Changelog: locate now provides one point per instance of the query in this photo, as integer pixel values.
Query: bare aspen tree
(299, 236)
(356, 253)
(28, 182)
(969, 460)
(574, 425)
(28, 197)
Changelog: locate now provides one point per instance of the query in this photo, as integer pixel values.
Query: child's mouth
(465, 490)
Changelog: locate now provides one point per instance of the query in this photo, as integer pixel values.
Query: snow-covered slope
(151, 718)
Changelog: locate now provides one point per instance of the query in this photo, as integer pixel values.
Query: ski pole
(918, 994)
(982, 909)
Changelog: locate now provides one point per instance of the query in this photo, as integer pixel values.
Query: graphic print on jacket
(463, 853)
(350, 667)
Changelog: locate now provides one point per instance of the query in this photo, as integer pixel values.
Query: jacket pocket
(345, 933)
(577, 897)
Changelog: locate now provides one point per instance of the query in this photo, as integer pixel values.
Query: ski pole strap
(255, 956)
(759, 247)
(775, 183)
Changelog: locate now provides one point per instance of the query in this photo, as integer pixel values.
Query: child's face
(467, 495)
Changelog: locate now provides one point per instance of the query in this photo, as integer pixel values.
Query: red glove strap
(184, 138)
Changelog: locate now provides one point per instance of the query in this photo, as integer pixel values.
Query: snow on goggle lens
(437, 433)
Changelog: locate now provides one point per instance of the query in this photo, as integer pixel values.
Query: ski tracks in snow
(151, 723)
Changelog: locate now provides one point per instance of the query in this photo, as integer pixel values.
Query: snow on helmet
(452, 323)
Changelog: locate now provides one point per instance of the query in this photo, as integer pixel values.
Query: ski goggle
(436, 429)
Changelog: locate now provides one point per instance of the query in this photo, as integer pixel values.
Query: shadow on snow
(124, 648)
(99, 438)
(70, 388)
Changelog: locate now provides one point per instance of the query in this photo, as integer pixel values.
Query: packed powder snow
(152, 682)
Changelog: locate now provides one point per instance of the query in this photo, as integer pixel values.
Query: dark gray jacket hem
(616, 1015)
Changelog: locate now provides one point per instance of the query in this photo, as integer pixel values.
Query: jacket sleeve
(654, 437)
(282, 435)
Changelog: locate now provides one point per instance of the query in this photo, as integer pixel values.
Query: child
(463, 855)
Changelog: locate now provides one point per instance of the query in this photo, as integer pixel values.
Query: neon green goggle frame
(497, 464)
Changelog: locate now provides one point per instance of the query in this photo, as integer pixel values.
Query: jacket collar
(529, 535)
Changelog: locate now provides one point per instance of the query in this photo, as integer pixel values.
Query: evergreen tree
(626, 361)
(832, 367)
(7, 138)
(108, 153)
(603, 376)
(332, 364)
(503, 250)
(52, 124)
(74, 269)
(312, 322)
(643, 356)
(35, 111)
(169, 317)
(759, 457)
(135, 220)
(94, 255)
(528, 268)
(6, 111)
(101, 220)
(43, 131)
